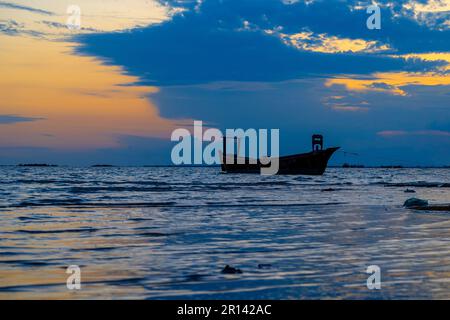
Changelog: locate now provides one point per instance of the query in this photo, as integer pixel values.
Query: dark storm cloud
(216, 62)
(210, 44)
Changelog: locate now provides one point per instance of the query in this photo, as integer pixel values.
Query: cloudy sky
(113, 91)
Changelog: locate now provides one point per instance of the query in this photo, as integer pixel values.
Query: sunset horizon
(234, 156)
(114, 89)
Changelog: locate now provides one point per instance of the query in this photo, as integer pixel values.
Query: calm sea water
(158, 233)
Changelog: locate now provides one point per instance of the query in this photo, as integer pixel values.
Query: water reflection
(172, 242)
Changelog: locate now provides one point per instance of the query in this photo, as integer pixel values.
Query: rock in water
(410, 191)
(414, 202)
(231, 270)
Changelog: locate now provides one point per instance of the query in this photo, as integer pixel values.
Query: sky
(113, 90)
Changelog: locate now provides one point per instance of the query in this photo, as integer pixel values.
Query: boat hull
(312, 163)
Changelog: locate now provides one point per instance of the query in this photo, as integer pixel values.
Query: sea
(168, 233)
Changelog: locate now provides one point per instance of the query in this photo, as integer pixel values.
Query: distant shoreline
(106, 166)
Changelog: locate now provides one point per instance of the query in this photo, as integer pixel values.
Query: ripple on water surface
(168, 233)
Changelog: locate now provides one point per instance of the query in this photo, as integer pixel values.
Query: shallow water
(154, 233)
